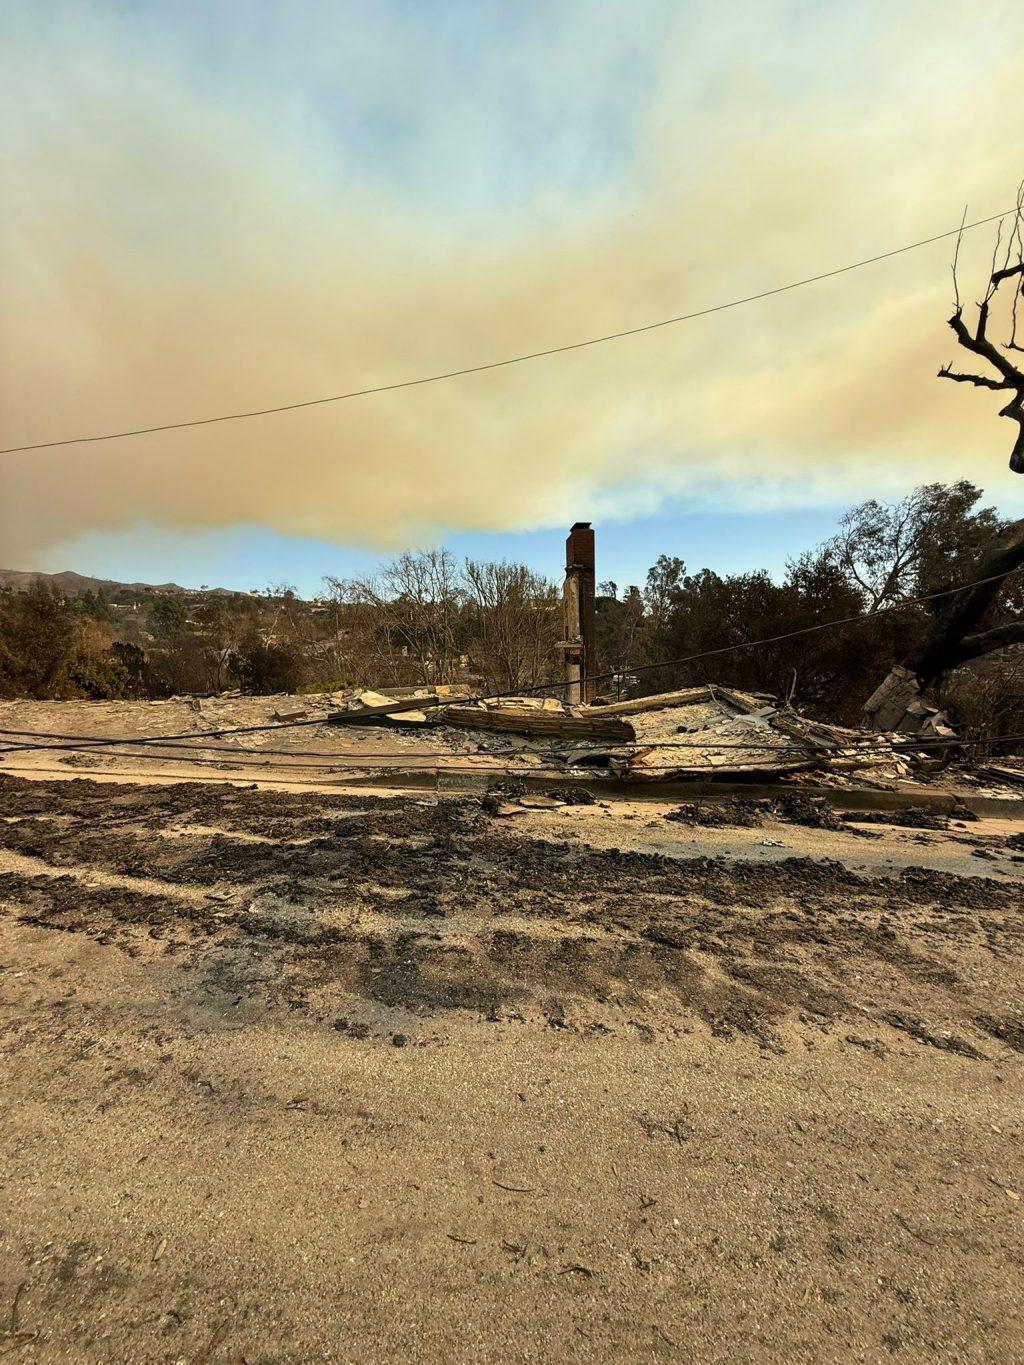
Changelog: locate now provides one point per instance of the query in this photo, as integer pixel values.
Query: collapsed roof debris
(897, 705)
(707, 732)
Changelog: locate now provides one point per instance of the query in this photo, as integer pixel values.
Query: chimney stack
(578, 596)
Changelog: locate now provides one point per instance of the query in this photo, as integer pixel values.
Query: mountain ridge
(73, 584)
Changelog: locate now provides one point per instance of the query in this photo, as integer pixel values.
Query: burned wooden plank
(658, 702)
(582, 724)
(375, 715)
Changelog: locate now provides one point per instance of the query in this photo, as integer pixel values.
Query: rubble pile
(706, 732)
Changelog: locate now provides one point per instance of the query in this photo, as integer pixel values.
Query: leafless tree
(1009, 377)
(407, 617)
(514, 624)
(955, 638)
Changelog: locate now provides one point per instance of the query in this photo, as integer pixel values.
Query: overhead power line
(509, 360)
(807, 630)
(360, 754)
(551, 686)
(357, 758)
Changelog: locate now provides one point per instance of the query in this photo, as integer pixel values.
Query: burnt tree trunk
(954, 639)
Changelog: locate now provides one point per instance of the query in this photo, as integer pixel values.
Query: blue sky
(213, 207)
(247, 558)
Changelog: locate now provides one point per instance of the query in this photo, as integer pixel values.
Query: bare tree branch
(1015, 410)
(988, 641)
(963, 612)
(978, 344)
(982, 381)
(977, 341)
(1007, 273)
(1018, 293)
(956, 259)
(955, 638)
(993, 283)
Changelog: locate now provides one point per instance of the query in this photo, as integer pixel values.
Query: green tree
(38, 639)
(167, 617)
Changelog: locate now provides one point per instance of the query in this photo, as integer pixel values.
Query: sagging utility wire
(550, 686)
(179, 747)
(509, 360)
(880, 748)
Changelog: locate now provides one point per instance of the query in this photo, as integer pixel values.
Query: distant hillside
(73, 584)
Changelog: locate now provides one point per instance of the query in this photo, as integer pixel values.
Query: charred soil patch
(289, 1071)
(425, 908)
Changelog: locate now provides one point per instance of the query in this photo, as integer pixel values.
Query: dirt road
(309, 1077)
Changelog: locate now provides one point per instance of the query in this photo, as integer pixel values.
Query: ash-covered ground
(355, 1077)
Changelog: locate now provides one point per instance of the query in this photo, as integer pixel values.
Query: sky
(223, 205)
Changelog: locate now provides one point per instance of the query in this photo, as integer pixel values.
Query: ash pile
(706, 732)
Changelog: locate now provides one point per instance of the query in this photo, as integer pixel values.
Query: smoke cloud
(185, 235)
